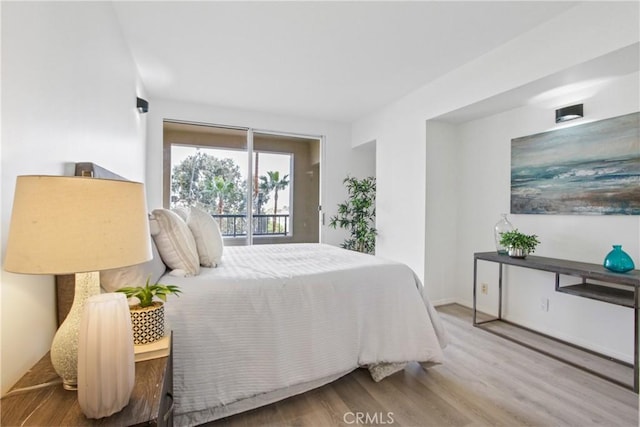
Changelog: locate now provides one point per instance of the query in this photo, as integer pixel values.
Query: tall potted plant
(147, 317)
(357, 215)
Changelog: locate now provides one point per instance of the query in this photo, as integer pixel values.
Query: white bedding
(285, 318)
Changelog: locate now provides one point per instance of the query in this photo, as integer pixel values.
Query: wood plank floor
(485, 381)
(621, 372)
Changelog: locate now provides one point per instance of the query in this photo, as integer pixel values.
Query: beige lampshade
(65, 225)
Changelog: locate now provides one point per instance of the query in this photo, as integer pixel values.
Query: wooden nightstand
(151, 402)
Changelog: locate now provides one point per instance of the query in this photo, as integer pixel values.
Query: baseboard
(443, 301)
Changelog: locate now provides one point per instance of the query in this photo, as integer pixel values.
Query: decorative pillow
(182, 213)
(175, 242)
(135, 275)
(206, 233)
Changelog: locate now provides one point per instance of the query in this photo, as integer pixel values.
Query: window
(209, 166)
(272, 193)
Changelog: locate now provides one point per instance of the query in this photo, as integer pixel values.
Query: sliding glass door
(207, 166)
(260, 187)
(286, 188)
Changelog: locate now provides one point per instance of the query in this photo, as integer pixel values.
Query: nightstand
(151, 402)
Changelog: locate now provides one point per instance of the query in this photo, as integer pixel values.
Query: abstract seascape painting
(588, 169)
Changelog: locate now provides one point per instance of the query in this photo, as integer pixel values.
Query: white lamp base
(64, 348)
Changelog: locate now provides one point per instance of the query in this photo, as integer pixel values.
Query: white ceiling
(566, 87)
(324, 60)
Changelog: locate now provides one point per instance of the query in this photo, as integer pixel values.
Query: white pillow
(135, 275)
(175, 241)
(182, 212)
(206, 233)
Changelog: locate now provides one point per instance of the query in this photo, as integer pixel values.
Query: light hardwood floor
(485, 381)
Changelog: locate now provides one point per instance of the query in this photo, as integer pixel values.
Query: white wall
(584, 32)
(339, 160)
(68, 94)
(483, 193)
(441, 226)
(400, 199)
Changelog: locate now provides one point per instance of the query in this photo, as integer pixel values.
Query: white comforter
(276, 317)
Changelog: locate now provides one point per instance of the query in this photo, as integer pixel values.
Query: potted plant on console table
(518, 244)
(147, 317)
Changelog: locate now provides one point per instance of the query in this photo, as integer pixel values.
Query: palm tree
(256, 188)
(272, 182)
(221, 189)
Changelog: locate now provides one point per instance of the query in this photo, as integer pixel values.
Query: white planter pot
(148, 323)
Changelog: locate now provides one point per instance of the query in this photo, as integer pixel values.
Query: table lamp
(76, 225)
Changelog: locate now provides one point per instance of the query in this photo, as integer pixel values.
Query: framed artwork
(588, 169)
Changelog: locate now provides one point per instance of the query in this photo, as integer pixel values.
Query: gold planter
(148, 323)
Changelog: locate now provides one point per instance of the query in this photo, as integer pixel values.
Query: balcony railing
(235, 225)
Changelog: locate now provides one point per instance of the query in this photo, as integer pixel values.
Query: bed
(273, 321)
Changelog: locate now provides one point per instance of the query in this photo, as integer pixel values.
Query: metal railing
(235, 225)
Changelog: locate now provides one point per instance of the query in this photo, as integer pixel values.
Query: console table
(627, 296)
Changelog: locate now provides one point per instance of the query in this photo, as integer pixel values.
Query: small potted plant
(518, 244)
(147, 317)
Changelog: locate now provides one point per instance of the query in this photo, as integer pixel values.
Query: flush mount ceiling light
(569, 113)
(142, 104)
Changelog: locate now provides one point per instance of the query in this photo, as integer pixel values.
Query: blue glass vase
(618, 260)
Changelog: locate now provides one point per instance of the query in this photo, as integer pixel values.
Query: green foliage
(222, 190)
(146, 293)
(516, 239)
(272, 182)
(357, 215)
(215, 184)
(262, 197)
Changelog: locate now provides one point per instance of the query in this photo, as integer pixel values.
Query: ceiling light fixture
(569, 113)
